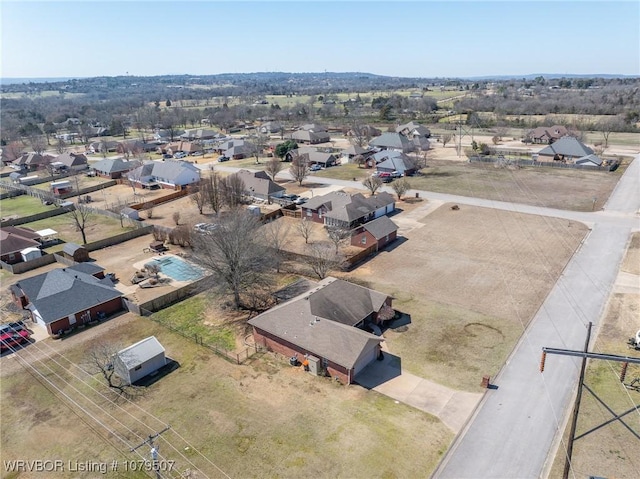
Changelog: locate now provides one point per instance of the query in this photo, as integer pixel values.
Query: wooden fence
(120, 238)
(158, 201)
(38, 216)
(517, 161)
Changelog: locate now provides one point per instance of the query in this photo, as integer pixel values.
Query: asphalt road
(513, 431)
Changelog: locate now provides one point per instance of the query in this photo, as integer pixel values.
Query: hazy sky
(413, 38)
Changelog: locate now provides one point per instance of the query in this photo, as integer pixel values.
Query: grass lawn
(99, 227)
(192, 317)
(566, 189)
(23, 205)
(262, 419)
(347, 171)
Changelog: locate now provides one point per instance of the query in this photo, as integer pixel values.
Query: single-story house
(402, 164)
(547, 134)
(311, 134)
(113, 168)
(347, 211)
(184, 146)
(14, 240)
(139, 360)
(270, 127)
(352, 151)
(367, 131)
(328, 324)
(134, 147)
(566, 148)
(236, 149)
(104, 146)
(258, 184)
(413, 129)
(32, 161)
(73, 161)
(169, 174)
(380, 232)
(165, 136)
(199, 134)
(393, 141)
(66, 297)
(313, 157)
(75, 252)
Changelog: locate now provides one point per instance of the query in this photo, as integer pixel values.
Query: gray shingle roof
(63, 291)
(114, 165)
(258, 183)
(345, 207)
(398, 164)
(140, 352)
(567, 146)
(391, 140)
(308, 320)
(71, 248)
(87, 268)
(380, 227)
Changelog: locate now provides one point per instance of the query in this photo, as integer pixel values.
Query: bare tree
(606, 127)
(359, 134)
(198, 195)
(153, 269)
(149, 211)
(101, 360)
(338, 236)
(213, 191)
(12, 151)
(372, 183)
(258, 143)
(322, 259)
(299, 168)
(446, 138)
(82, 218)
(232, 190)
(234, 253)
(400, 186)
(277, 237)
(305, 228)
(61, 146)
(359, 160)
(273, 167)
(38, 144)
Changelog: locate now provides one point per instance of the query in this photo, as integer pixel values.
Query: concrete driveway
(452, 407)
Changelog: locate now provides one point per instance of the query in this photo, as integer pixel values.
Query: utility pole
(585, 354)
(154, 450)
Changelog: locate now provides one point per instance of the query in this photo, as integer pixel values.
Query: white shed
(30, 253)
(139, 360)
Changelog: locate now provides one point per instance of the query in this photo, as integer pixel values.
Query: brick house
(380, 232)
(113, 168)
(13, 240)
(65, 298)
(347, 211)
(330, 323)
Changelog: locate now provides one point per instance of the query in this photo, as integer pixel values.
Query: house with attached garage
(343, 210)
(258, 184)
(72, 161)
(139, 360)
(169, 174)
(66, 298)
(113, 168)
(329, 326)
(566, 149)
(393, 141)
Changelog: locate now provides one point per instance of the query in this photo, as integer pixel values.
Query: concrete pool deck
(176, 283)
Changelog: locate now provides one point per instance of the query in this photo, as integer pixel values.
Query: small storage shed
(30, 253)
(139, 360)
(130, 213)
(75, 252)
(61, 187)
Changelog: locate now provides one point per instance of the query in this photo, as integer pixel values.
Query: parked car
(223, 158)
(315, 167)
(396, 174)
(13, 334)
(289, 197)
(197, 153)
(167, 156)
(179, 154)
(300, 200)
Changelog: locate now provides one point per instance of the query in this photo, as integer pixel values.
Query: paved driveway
(452, 407)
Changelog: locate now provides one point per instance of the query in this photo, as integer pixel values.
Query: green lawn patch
(189, 317)
(23, 205)
(347, 171)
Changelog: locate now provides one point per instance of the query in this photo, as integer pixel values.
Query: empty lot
(471, 279)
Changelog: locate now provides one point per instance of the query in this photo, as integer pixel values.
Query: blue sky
(415, 38)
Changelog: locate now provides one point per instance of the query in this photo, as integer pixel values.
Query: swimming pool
(179, 269)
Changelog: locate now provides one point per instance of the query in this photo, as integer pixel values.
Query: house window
(12, 256)
(138, 367)
(325, 363)
(387, 238)
(309, 213)
(364, 239)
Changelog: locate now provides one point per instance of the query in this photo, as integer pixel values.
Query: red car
(13, 334)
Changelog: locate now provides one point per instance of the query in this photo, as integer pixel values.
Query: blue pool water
(179, 269)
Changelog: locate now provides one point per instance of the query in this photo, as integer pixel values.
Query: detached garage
(139, 360)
